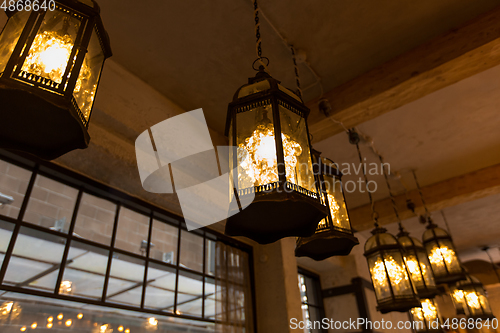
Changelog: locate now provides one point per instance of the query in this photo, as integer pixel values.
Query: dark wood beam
(447, 193)
(459, 54)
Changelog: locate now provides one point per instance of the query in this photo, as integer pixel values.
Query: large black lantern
(418, 265)
(442, 255)
(473, 298)
(267, 124)
(426, 317)
(333, 235)
(50, 64)
(391, 281)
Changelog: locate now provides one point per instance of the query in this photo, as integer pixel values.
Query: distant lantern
(333, 236)
(267, 124)
(390, 277)
(51, 56)
(426, 317)
(457, 296)
(475, 301)
(442, 255)
(418, 266)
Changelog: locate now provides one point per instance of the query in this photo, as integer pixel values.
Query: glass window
(13, 182)
(95, 219)
(164, 242)
(5, 235)
(190, 294)
(160, 290)
(210, 257)
(312, 303)
(191, 251)
(51, 204)
(35, 260)
(126, 278)
(10, 35)
(132, 231)
(85, 270)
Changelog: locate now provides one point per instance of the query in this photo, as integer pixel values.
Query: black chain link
(297, 78)
(257, 30)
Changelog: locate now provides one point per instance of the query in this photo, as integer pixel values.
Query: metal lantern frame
(426, 323)
(281, 208)
(425, 285)
(440, 240)
(42, 116)
(328, 239)
(473, 286)
(382, 250)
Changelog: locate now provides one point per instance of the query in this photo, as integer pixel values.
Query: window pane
(95, 219)
(191, 251)
(13, 182)
(132, 232)
(126, 278)
(210, 257)
(189, 299)
(5, 235)
(85, 270)
(160, 292)
(51, 204)
(164, 242)
(35, 260)
(210, 299)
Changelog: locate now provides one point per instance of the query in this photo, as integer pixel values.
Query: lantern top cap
(433, 231)
(407, 241)
(381, 240)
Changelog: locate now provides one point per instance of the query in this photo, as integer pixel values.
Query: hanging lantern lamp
(426, 317)
(457, 297)
(275, 168)
(50, 64)
(333, 235)
(475, 301)
(442, 255)
(418, 265)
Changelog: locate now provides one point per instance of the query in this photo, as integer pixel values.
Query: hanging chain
(258, 39)
(420, 192)
(352, 139)
(297, 78)
(393, 200)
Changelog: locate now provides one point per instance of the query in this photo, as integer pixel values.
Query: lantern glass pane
(10, 36)
(426, 316)
(257, 160)
(254, 88)
(393, 268)
(458, 298)
(426, 268)
(442, 257)
(336, 202)
(289, 92)
(51, 49)
(298, 165)
(86, 85)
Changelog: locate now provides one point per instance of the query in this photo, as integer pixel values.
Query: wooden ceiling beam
(445, 60)
(437, 196)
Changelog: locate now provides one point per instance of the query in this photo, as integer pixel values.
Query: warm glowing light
(49, 325)
(178, 312)
(472, 300)
(49, 55)
(396, 272)
(416, 270)
(153, 321)
(120, 328)
(60, 316)
(458, 295)
(127, 330)
(259, 160)
(23, 328)
(6, 307)
(66, 287)
(79, 316)
(428, 311)
(103, 328)
(439, 253)
(50, 319)
(34, 325)
(68, 322)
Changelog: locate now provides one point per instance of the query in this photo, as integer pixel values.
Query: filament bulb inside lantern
(439, 253)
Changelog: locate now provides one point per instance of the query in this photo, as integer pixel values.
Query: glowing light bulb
(127, 330)
(79, 316)
(22, 329)
(103, 328)
(416, 270)
(68, 322)
(120, 328)
(153, 321)
(66, 287)
(396, 272)
(50, 319)
(258, 159)
(60, 316)
(439, 253)
(49, 325)
(34, 325)
(458, 295)
(472, 300)
(429, 310)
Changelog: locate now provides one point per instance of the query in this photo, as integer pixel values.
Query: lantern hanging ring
(260, 60)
